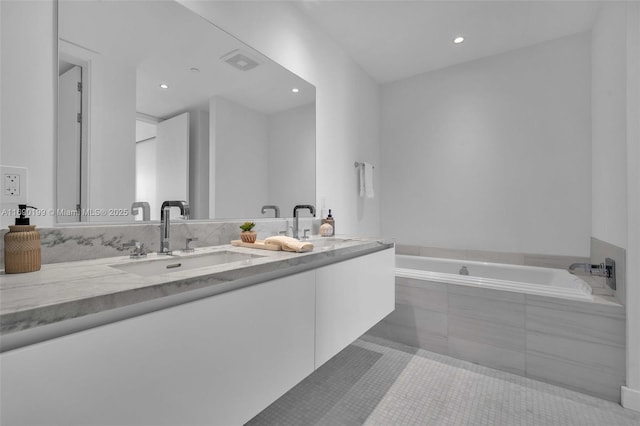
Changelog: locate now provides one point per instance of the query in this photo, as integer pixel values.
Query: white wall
(112, 148)
(110, 89)
(616, 159)
(199, 164)
(609, 105)
(493, 154)
(239, 145)
(172, 159)
(347, 99)
(291, 154)
(631, 393)
(146, 177)
(27, 77)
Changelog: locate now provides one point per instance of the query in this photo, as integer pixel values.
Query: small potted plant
(247, 235)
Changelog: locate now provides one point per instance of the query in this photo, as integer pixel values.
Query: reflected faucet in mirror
(146, 210)
(295, 216)
(275, 209)
(165, 222)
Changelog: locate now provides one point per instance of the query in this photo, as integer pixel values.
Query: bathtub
(539, 323)
(497, 276)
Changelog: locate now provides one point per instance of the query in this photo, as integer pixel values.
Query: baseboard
(630, 398)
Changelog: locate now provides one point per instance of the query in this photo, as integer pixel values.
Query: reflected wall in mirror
(155, 103)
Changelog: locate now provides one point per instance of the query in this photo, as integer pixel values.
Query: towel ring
(357, 164)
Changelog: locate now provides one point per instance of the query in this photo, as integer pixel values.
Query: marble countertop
(72, 290)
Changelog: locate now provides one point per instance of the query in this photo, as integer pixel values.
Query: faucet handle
(137, 252)
(132, 243)
(187, 248)
(305, 236)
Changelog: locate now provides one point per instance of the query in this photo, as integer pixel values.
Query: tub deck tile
(487, 355)
(414, 327)
(421, 294)
(442, 253)
(552, 261)
(496, 257)
(608, 359)
(577, 325)
(487, 332)
(599, 307)
(493, 306)
(577, 376)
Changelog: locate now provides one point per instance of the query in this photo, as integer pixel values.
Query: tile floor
(378, 382)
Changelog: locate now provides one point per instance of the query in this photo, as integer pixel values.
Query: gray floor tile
(379, 382)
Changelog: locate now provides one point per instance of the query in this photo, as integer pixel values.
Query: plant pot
(248, 236)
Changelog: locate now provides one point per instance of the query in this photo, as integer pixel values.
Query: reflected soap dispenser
(22, 245)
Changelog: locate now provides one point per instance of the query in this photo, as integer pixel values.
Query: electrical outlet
(14, 184)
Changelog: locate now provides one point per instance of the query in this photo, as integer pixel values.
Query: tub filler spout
(586, 267)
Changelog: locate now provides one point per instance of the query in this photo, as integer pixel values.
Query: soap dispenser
(22, 245)
(329, 232)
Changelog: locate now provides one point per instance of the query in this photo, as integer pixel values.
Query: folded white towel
(366, 180)
(289, 244)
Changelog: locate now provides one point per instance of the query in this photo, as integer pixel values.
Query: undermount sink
(179, 263)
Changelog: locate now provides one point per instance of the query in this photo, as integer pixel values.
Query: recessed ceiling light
(458, 39)
(164, 86)
(194, 69)
(295, 90)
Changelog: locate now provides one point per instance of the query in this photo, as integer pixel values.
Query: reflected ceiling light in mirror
(164, 86)
(458, 39)
(295, 90)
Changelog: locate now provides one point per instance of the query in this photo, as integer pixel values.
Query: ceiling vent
(241, 60)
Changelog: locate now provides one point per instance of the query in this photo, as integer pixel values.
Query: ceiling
(392, 40)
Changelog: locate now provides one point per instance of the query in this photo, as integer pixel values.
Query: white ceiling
(392, 40)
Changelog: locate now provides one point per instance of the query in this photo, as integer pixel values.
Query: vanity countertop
(72, 290)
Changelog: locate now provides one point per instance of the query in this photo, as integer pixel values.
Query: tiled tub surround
(67, 297)
(83, 242)
(572, 343)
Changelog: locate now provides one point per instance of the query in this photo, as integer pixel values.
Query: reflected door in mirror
(69, 144)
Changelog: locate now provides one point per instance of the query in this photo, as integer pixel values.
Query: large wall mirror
(155, 103)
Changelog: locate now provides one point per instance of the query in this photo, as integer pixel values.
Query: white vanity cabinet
(225, 358)
(215, 361)
(351, 297)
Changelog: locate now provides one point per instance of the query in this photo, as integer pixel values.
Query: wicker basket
(22, 249)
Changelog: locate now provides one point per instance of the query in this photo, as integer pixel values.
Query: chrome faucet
(607, 269)
(165, 222)
(146, 209)
(295, 216)
(586, 267)
(275, 209)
